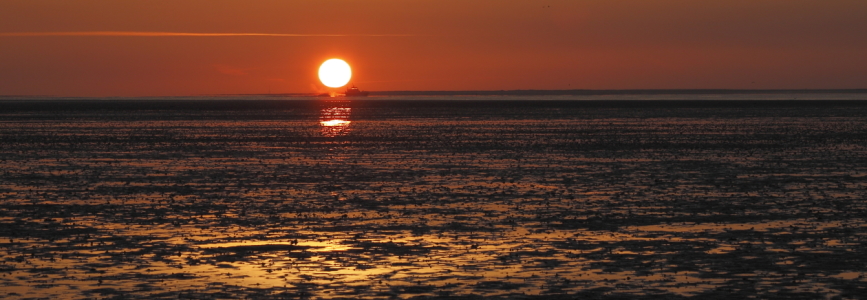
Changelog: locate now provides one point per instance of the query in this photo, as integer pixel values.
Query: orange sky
(428, 45)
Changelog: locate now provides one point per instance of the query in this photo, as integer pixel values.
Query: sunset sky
(186, 47)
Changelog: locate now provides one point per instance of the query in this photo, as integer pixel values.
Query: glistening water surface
(368, 199)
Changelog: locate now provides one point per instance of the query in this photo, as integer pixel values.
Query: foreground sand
(537, 203)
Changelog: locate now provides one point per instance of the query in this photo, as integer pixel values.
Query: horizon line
(583, 91)
(522, 92)
(184, 34)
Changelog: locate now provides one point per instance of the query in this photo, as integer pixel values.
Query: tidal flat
(376, 199)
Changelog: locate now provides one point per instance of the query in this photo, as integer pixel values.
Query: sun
(334, 73)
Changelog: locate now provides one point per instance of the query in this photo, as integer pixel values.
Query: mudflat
(433, 199)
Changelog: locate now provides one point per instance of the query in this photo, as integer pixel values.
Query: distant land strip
(617, 92)
(180, 34)
(498, 93)
(63, 106)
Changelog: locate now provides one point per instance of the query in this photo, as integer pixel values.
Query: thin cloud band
(194, 34)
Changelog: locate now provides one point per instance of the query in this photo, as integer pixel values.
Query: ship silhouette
(355, 92)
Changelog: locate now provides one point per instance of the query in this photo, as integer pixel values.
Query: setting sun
(334, 73)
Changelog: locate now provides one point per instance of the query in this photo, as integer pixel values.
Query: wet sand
(435, 200)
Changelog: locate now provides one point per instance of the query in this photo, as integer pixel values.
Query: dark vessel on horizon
(355, 92)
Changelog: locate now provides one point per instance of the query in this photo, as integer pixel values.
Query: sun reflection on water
(334, 119)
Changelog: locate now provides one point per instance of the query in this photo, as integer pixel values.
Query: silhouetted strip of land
(614, 92)
(247, 105)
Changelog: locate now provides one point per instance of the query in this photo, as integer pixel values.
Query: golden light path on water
(333, 123)
(334, 118)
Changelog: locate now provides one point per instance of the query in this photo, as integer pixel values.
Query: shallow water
(382, 199)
